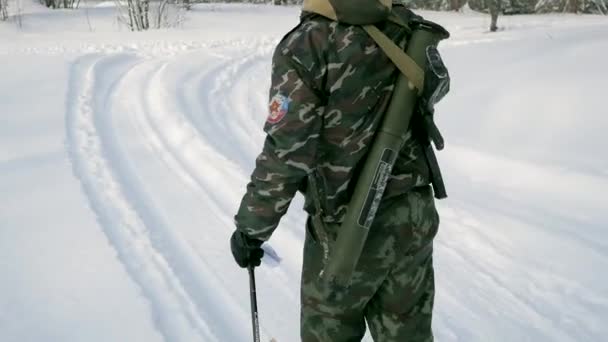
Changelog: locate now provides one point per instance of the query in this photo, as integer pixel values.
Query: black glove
(246, 251)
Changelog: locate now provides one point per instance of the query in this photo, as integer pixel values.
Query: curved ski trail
(167, 129)
(182, 305)
(175, 143)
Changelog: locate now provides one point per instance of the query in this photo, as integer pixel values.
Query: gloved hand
(246, 251)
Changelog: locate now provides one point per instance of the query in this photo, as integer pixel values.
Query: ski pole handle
(254, 306)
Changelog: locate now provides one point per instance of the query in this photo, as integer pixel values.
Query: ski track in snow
(187, 154)
(232, 89)
(184, 134)
(225, 98)
(180, 120)
(91, 156)
(179, 139)
(173, 277)
(181, 150)
(166, 269)
(236, 92)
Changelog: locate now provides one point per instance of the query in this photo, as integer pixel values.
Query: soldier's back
(354, 78)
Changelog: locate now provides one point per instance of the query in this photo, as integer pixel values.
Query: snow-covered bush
(60, 3)
(135, 13)
(169, 13)
(141, 15)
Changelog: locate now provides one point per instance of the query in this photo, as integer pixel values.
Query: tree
(60, 3)
(573, 6)
(495, 7)
(137, 13)
(602, 6)
(3, 9)
(141, 15)
(456, 5)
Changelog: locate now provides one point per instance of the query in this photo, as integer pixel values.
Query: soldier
(330, 87)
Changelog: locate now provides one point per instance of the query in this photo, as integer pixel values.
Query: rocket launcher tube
(376, 171)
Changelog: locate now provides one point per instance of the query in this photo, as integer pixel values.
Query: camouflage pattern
(337, 84)
(355, 12)
(393, 285)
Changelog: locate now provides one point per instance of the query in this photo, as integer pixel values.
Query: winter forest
(145, 14)
(130, 129)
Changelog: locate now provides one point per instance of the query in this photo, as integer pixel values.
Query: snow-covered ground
(123, 158)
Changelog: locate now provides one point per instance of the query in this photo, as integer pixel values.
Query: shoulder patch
(279, 105)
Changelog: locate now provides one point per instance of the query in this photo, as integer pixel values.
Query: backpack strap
(402, 61)
(397, 20)
(321, 7)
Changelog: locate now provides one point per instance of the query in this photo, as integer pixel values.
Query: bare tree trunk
(456, 5)
(3, 9)
(494, 6)
(131, 15)
(161, 11)
(602, 8)
(573, 6)
(140, 19)
(137, 11)
(145, 14)
(138, 15)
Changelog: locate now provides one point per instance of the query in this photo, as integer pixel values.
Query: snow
(124, 157)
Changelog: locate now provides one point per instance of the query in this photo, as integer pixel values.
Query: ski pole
(254, 306)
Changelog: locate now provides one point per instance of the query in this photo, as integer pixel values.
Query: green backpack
(354, 12)
(366, 13)
(423, 81)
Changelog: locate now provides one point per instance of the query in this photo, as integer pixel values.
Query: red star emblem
(278, 108)
(274, 106)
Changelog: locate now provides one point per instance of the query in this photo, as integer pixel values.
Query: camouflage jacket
(330, 87)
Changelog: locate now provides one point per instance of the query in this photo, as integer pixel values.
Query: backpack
(366, 13)
(354, 12)
(416, 90)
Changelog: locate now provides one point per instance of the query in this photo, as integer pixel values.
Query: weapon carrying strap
(318, 225)
(323, 8)
(402, 61)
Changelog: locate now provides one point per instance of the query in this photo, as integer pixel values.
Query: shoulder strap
(397, 20)
(404, 63)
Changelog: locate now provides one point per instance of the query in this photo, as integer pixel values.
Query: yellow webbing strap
(404, 63)
(322, 7)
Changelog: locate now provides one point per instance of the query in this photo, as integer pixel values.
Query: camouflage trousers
(393, 286)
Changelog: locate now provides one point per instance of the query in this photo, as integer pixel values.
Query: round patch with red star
(279, 105)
